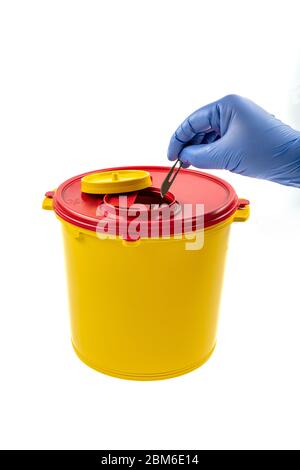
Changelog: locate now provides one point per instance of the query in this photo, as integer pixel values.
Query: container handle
(48, 201)
(243, 211)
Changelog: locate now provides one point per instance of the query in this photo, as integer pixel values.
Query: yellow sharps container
(127, 249)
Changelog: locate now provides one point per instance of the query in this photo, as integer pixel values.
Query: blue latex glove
(237, 135)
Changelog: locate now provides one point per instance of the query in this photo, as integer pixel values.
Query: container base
(160, 376)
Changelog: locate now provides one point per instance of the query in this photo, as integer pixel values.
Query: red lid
(181, 207)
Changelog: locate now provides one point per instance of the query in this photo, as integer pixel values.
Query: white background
(90, 84)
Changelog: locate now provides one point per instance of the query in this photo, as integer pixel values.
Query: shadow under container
(145, 307)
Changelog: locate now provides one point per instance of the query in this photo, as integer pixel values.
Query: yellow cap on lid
(115, 181)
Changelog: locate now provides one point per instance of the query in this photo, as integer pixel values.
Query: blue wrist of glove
(237, 135)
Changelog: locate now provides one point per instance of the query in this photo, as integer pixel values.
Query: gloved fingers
(197, 139)
(210, 137)
(203, 156)
(200, 139)
(176, 145)
(201, 122)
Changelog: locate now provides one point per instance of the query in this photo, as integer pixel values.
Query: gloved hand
(237, 135)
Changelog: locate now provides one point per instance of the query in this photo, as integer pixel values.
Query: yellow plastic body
(144, 310)
(117, 181)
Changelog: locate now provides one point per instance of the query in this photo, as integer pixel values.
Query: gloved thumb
(203, 156)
